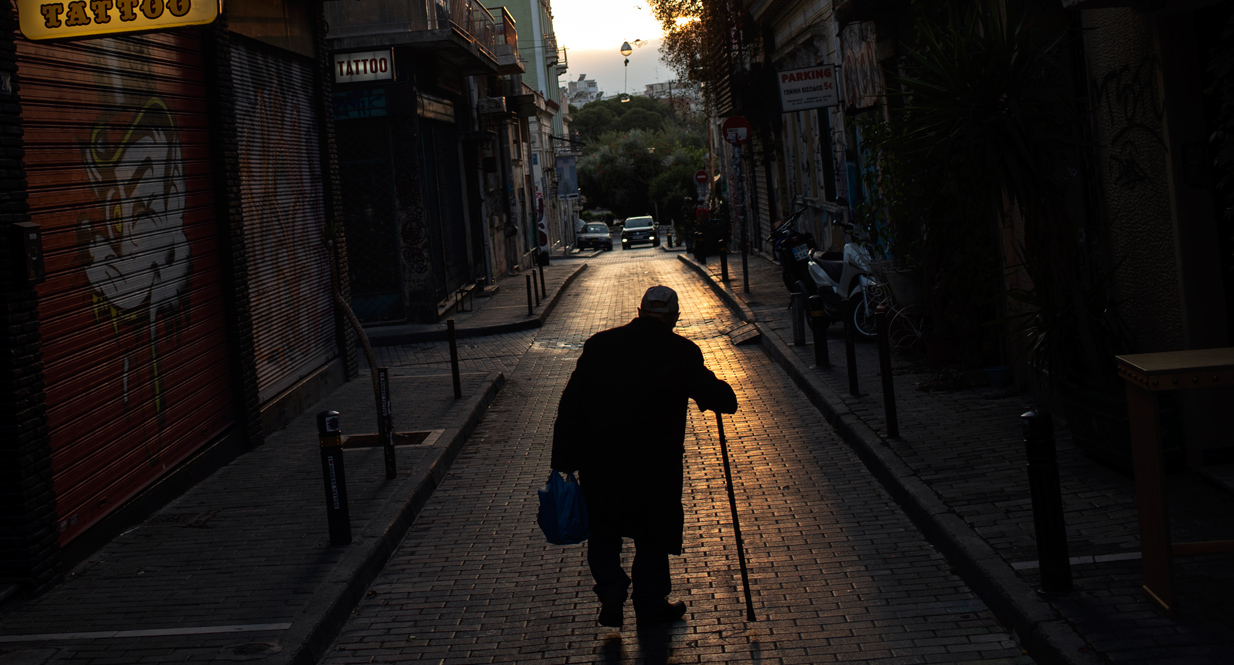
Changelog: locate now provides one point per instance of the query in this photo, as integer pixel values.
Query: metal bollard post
(535, 288)
(543, 291)
(1047, 500)
(797, 312)
(330, 439)
(386, 422)
(724, 260)
(745, 266)
(450, 333)
(530, 308)
(819, 319)
(884, 368)
(850, 348)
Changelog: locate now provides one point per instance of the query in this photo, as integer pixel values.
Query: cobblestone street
(838, 573)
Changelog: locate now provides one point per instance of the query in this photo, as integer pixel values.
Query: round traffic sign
(736, 129)
(700, 177)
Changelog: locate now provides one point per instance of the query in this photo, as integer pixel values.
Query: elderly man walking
(630, 463)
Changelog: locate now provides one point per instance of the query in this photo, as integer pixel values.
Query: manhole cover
(426, 438)
(249, 651)
(181, 519)
(256, 648)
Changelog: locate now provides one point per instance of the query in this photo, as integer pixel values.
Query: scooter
(839, 275)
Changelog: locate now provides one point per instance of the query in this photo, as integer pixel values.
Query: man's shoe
(668, 612)
(610, 614)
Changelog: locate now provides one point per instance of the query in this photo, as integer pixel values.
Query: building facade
(1144, 192)
(176, 202)
(581, 92)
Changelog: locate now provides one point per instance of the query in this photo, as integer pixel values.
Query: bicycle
(910, 321)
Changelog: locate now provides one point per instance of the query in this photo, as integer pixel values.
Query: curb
(319, 624)
(731, 300)
(1042, 631)
(378, 338)
(594, 253)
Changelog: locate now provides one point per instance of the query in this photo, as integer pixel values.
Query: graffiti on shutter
(284, 215)
(131, 313)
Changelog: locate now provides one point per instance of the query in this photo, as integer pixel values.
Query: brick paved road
(966, 445)
(839, 574)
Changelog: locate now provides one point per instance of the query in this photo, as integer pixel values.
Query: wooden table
(1146, 375)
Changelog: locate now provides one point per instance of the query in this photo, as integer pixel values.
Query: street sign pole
(737, 131)
(744, 221)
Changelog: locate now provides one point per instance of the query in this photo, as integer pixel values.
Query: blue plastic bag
(563, 510)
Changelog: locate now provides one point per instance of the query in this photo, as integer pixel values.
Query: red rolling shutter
(132, 317)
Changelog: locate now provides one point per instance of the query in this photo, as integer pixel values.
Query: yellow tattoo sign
(41, 19)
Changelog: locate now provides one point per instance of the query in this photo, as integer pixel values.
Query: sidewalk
(958, 470)
(240, 568)
(501, 309)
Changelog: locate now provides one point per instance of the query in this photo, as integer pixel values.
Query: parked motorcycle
(832, 275)
(839, 275)
(792, 248)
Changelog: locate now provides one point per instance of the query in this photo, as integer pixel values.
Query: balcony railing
(483, 26)
(506, 38)
(550, 49)
(363, 18)
(507, 33)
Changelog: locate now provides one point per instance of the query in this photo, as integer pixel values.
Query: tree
(640, 119)
(600, 117)
(630, 173)
(983, 145)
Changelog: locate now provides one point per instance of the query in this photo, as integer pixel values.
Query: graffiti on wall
(414, 239)
(283, 216)
(1128, 96)
(860, 65)
(135, 251)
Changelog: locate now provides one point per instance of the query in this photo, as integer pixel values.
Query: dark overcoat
(621, 423)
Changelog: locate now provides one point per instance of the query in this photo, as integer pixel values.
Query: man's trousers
(650, 570)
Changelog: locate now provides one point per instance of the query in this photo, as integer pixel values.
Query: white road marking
(156, 632)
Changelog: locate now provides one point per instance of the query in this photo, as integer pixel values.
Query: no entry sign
(736, 129)
(700, 177)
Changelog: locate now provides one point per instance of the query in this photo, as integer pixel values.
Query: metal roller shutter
(284, 214)
(762, 193)
(132, 315)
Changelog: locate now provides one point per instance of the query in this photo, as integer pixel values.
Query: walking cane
(732, 504)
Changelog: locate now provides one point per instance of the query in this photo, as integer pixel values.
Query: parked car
(595, 235)
(640, 230)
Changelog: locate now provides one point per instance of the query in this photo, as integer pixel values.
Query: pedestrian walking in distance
(630, 463)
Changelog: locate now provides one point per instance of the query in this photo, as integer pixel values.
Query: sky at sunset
(593, 32)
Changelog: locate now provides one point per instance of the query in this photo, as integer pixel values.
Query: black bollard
(1051, 530)
(458, 385)
(724, 260)
(818, 320)
(530, 308)
(745, 265)
(330, 439)
(534, 287)
(386, 422)
(850, 348)
(543, 290)
(797, 308)
(884, 368)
